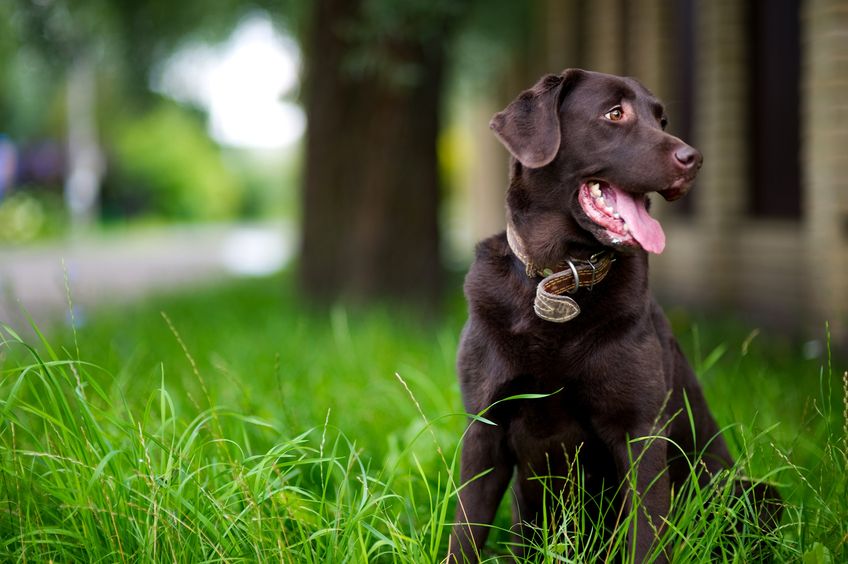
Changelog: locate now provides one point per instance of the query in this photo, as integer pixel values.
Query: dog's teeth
(616, 215)
(609, 210)
(625, 227)
(601, 202)
(595, 189)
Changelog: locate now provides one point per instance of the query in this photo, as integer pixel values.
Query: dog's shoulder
(493, 252)
(493, 266)
(496, 282)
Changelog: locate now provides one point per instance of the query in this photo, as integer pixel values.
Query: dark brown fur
(619, 368)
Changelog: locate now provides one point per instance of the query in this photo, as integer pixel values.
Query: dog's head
(600, 142)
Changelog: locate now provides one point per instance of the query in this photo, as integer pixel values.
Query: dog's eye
(615, 114)
(663, 122)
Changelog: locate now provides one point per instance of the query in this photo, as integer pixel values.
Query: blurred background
(148, 144)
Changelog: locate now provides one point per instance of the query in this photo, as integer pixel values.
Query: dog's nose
(687, 157)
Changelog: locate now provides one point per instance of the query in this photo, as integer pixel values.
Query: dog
(559, 307)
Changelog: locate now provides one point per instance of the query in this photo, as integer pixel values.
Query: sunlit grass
(233, 424)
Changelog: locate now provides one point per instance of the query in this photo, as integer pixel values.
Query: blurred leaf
(819, 554)
(29, 215)
(166, 161)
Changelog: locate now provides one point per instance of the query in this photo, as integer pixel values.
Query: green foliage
(495, 36)
(384, 34)
(64, 29)
(29, 97)
(818, 554)
(136, 33)
(125, 40)
(7, 49)
(26, 216)
(165, 159)
(270, 181)
(241, 425)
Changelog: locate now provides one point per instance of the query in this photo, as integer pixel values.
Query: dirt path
(125, 266)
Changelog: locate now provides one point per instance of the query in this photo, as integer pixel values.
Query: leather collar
(564, 278)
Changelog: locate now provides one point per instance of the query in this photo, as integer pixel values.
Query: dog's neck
(552, 303)
(541, 220)
(546, 242)
(534, 268)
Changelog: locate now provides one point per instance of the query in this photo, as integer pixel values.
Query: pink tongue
(644, 228)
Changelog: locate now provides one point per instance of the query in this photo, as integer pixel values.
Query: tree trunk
(85, 160)
(371, 187)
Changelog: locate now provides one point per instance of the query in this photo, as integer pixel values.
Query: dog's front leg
(642, 464)
(485, 474)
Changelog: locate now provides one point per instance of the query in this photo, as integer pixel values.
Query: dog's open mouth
(623, 216)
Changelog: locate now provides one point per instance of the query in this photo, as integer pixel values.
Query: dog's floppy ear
(529, 126)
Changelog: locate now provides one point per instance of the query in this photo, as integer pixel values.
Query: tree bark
(371, 185)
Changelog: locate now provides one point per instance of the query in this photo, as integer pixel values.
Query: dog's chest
(546, 425)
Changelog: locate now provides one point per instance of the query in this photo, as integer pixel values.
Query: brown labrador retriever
(559, 306)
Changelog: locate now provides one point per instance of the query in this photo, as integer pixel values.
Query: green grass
(233, 424)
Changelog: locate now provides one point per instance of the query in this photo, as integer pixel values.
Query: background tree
(376, 75)
(93, 59)
(373, 97)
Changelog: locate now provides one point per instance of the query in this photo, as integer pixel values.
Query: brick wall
(721, 133)
(825, 159)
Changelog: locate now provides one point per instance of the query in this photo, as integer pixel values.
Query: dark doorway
(775, 108)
